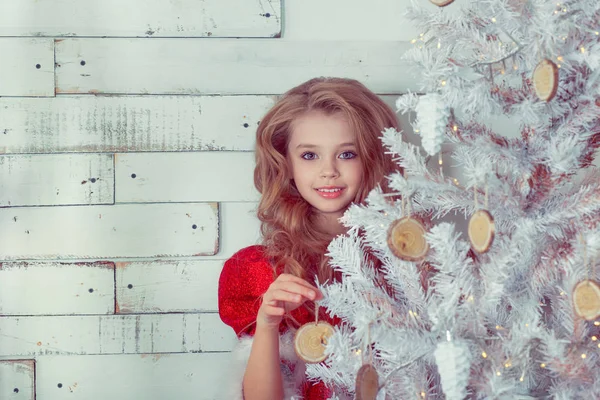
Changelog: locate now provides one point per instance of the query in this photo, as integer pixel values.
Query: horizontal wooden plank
(216, 336)
(224, 66)
(130, 123)
(150, 18)
(17, 379)
(179, 177)
(167, 286)
(27, 67)
(127, 377)
(56, 288)
(113, 334)
(101, 232)
(56, 179)
(382, 20)
(239, 228)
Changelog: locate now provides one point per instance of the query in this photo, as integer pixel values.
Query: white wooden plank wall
(126, 158)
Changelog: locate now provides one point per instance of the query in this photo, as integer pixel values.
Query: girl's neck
(331, 225)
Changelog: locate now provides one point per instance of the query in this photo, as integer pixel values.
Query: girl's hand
(287, 293)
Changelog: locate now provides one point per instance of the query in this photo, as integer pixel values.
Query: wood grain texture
(151, 18)
(148, 376)
(27, 67)
(180, 177)
(167, 286)
(101, 232)
(56, 288)
(65, 179)
(17, 379)
(239, 228)
(224, 66)
(100, 124)
(114, 334)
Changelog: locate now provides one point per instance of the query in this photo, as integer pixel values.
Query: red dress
(246, 276)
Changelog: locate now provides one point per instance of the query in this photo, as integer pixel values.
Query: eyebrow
(312, 146)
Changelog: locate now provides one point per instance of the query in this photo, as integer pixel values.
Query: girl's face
(324, 163)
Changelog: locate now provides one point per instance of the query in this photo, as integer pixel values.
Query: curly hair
(294, 243)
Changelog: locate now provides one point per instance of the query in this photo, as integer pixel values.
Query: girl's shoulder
(245, 277)
(254, 253)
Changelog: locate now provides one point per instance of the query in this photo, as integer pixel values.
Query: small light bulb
(515, 67)
(498, 373)
(543, 365)
(439, 44)
(416, 131)
(413, 41)
(527, 325)
(455, 128)
(494, 19)
(582, 49)
(583, 356)
(471, 298)
(559, 58)
(440, 161)
(596, 323)
(483, 354)
(599, 345)
(594, 338)
(443, 83)
(423, 394)
(597, 33)
(358, 352)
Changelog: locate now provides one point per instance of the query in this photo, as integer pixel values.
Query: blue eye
(308, 155)
(348, 155)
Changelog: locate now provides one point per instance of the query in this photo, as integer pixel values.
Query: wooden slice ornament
(310, 340)
(367, 383)
(406, 239)
(586, 299)
(545, 80)
(441, 3)
(481, 231)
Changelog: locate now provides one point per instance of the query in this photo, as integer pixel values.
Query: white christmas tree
(509, 309)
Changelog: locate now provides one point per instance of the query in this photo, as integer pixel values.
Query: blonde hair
(294, 243)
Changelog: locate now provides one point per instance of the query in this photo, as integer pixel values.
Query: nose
(329, 170)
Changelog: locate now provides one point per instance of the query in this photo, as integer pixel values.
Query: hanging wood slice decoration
(310, 341)
(586, 299)
(441, 3)
(406, 239)
(481, 231)
(545, 80)
(367, 383)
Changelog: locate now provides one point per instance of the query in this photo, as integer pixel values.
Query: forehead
(320, 129)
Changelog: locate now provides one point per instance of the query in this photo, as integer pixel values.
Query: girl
(317, 151)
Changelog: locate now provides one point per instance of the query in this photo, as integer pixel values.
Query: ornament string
(486, 196)
(316, 313)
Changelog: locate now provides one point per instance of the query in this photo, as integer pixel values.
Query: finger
(309, 293)
(293, 278)
(286, 296)
(274, 310)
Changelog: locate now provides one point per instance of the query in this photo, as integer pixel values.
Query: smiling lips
(330, 192)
